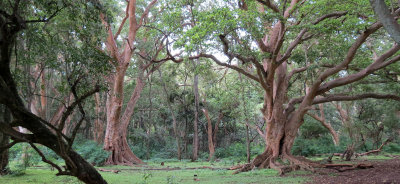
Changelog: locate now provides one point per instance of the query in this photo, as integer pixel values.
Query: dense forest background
(122, 82)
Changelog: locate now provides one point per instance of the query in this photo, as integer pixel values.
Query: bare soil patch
(383, 172)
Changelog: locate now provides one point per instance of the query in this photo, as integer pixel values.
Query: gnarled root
(266, 160)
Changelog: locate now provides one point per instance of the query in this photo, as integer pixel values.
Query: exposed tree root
(123, 157)
(294, 163)
(265, 161)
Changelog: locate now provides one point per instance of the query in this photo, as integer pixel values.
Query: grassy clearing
(44, 175)
(142, 175)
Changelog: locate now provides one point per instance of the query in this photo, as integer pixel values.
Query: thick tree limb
(111, 45)
(341, 97)
(8, 146)
(300, 39)
(376, 65)
(122, 23)
(270, 5)
(389, 22)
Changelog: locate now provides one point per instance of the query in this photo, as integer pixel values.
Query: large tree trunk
(281, 130)
(117, 123)
(98, 128)
(4, 156)
(4, 140)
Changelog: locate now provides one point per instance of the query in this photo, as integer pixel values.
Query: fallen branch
(347, 167)
(368, 152)
(235, 167)
(377, 150)
(109, 170)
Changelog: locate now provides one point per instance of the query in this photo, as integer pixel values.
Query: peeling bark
(118, 119)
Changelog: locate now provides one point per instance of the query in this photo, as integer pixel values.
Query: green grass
(141, 175)
(44, 175)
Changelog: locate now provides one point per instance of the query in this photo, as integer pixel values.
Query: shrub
(311, 147)
(91, 151)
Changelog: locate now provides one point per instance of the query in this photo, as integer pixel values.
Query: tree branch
(45, 160)
(122, 23)
(229, 66)
(145, 13)
(270, 5)
(8, 146)
(378, 64)
(344, 97)
(389, 22)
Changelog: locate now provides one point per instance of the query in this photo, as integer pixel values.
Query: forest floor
(386, 170)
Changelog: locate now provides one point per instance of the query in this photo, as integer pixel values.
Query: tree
(261, 40)
(121, 55)
(16, 17)
(174, 121)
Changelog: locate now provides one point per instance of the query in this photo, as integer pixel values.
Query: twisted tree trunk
(117, 123)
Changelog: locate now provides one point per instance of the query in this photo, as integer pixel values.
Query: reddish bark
(118, 120)
(211, 146)
(283, 116)
(98, 129)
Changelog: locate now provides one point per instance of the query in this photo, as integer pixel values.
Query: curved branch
(230, 66)
(122, 23)
(334, 15)
(146, 13)
(300, 39)
(338, 97)
(343, 97)
(8, 146)
(270, 5)
(378, 64)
